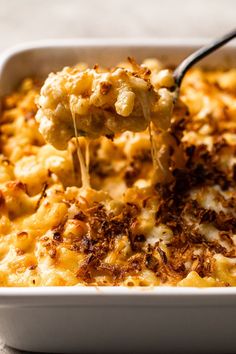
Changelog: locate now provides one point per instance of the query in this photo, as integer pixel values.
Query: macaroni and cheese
(132, 226)
(103, 102)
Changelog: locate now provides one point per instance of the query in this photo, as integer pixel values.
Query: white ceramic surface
(112, 320)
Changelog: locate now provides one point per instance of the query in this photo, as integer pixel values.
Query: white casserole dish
(117, 320)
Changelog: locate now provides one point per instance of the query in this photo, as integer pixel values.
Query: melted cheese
(83, 167)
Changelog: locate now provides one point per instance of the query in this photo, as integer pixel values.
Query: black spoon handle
(193, 58)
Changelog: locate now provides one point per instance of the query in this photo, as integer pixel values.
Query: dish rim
(93, 291)
(99, 42)
(123, 290)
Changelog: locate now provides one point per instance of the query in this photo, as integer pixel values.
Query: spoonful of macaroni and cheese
(79, 101)
(97, 102)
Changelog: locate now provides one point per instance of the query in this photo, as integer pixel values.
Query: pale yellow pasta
(194, 280)
(146, 278)
(225, 270)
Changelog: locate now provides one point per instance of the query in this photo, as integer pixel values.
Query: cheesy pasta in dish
(103, 102)
(160, 205)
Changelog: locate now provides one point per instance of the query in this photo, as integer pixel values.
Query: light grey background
(27, 20)
(23, 20)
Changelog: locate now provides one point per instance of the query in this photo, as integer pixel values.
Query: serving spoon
(201, 53)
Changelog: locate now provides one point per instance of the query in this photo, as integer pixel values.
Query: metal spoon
(193, 58)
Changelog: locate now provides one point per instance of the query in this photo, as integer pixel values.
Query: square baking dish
(113, 319)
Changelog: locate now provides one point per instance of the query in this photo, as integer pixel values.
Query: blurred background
(26, 20)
